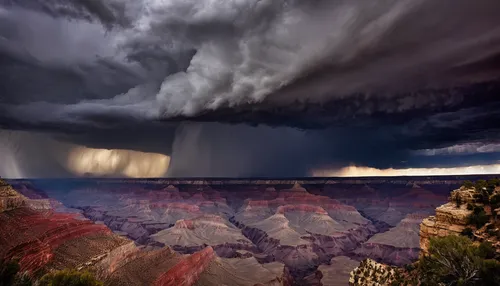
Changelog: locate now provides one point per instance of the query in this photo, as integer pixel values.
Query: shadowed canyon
(217, 232)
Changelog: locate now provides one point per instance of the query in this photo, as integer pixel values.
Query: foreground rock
(372, 273)
(449, 220)
(45, 241)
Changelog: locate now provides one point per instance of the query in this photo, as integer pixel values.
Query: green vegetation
(455, 260)
(480, 185)
(458, 201)
(468, 232)
(478, 218)
(484, 193)
(69, 278)
(468, 184)
(10, 276)
(495, 202)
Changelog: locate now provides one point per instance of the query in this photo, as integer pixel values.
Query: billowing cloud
(388, 84)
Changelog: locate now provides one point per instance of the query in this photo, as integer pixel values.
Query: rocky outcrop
(449, 220)
(372, 273)
(9, 198)
(463, 195)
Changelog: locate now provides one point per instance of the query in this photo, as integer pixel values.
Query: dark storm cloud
(368, 84)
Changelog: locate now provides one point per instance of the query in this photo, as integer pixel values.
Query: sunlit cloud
(353, 171)
(470, 148)
(116, 162)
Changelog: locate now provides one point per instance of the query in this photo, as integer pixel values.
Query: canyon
(248, 232)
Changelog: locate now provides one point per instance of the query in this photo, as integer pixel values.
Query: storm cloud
(253, 88)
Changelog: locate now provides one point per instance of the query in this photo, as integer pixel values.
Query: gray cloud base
(372, 82)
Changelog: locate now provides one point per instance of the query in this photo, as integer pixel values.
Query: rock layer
(449, 220)
(188, 270)
(9, 198)
(37, 237)
(397, 246)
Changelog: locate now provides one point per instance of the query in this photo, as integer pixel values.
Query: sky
(242, 88)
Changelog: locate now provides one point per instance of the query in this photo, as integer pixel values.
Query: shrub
(495, 201)
(8, 271)
(69, 278)
(10, 276)
(452, 260)
(481, 185)
(490, 272)
(486, 197)
(478, 219)
(458, 201)
(494, 182)
(22, 280)
(468, 232)
(492, 232)
(486, 250)
(468, 184)
(477, 209)
(470, 206)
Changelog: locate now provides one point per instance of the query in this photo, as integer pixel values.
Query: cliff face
(45, 240)
(449, 220)
(41, 239)
(9, 199)
(187, 271)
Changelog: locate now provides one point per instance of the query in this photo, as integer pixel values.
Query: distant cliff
(9, 198)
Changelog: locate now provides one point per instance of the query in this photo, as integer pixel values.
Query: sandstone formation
(52, 240)
(189, 234)
(45, 240)
(448, 220)
(9, 199)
